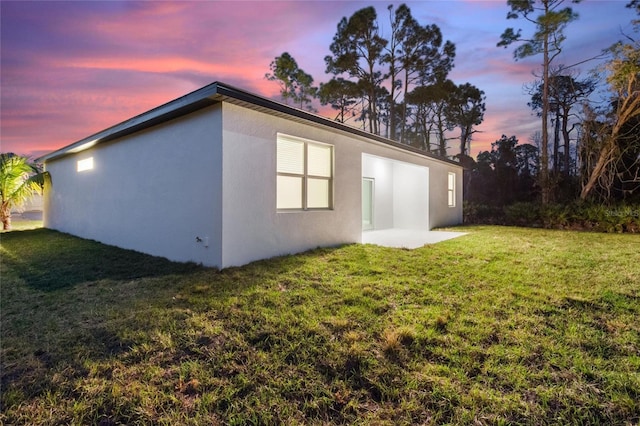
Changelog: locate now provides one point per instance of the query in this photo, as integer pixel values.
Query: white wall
(212, 174)
(411, 196)
(401, 193)
(440, 214)
(253, 228)
(155, 191)
(381, 170)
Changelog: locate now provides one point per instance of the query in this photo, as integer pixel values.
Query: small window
(451, 190)
(304, 174)
(86, 164)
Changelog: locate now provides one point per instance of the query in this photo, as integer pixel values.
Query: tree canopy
(19, 181)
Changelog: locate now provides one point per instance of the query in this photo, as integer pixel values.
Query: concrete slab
(406, 238)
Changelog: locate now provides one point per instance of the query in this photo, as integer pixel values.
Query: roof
(211, 94)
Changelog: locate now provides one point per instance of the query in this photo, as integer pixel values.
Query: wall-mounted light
(86, 164)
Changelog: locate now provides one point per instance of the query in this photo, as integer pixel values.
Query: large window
(451, 190)
(305, 174)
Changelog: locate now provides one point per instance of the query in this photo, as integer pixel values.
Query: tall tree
(466, 110)
(19, 181)
(550, 22)
(565, 93)
(295, 84)
(425, 60)
(400, 20)
(432, 104)
(356, 50)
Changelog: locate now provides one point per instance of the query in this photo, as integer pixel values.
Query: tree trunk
(603, 159)
(403, 118)
(5, 216)
(567, 143)
(544, 158)
(556, 144)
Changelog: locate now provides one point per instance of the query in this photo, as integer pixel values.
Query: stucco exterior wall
(401, 193)
(154, 191)
(440, 214)
(252, 226)
(211, 176)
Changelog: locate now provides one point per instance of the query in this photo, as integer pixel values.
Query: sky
(71, 69)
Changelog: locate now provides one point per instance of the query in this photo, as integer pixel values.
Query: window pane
(451, 200)
(319, 160)
(289, 192)
(317, 193)
(290, 158)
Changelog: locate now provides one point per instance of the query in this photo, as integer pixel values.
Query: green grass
(501, 326)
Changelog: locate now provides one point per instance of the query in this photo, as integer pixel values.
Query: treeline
(397, 87)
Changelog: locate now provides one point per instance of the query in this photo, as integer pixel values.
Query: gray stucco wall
(154, 191)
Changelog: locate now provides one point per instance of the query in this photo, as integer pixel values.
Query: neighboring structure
(223, 177)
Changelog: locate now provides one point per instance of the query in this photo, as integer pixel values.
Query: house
(223, 177)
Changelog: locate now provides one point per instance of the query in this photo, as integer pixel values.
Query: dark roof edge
(206, 96)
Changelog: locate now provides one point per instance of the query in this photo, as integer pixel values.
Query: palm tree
(19, 181)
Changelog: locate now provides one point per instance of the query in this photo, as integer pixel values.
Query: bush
(578, 216)
(476, 214)
(523, 214)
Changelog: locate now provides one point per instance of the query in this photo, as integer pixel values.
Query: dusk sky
(71, 69)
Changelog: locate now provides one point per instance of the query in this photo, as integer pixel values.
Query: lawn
(501, 326)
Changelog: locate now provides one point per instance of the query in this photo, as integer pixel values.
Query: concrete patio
(406, 238)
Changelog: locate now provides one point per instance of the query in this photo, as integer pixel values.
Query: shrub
(523, 214)
(474, 213)
(575, 216)
(592, 217)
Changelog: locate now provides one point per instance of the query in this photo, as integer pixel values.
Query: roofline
(214, 93)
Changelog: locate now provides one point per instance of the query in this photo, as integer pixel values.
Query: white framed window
(451, 189)
(304, 174)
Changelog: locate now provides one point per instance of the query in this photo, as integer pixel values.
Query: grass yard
(501, 326)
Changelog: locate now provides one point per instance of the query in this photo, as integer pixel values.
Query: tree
(505, 174)
(295, 84)
(19, 181)
(424, 61)
(546, 40)
(357, 49)
(413, 56)
(527, 165)
(565, 92)
(505, 167)
(401, 21)
(431, 113)
(466, 109)
(342, 95)
(624, 127)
